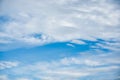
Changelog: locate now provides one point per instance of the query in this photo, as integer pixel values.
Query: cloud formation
(86, 65)
(38, 22)
(7, 64)
(3, 77)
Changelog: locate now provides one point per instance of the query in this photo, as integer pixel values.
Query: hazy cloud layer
(38, 22)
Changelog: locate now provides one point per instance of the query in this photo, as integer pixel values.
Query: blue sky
(59, 40)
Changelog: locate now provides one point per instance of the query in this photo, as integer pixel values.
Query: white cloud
(7, 64)
(77, 42)
(3, 77)
(23, 79)
(73, 68)
(38, 22)
(70, 45)
(112, 45)
(90, 59)
(58, 21)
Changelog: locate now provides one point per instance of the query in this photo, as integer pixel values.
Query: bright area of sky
(59, 40)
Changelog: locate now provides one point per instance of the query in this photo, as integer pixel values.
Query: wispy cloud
(58, 21)
(39, 22)
(23, 79)
(86, 65)
(7, 64)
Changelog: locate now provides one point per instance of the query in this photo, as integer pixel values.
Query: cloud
(23, 79)
(57, 21)
(7, 64)
(3, 77)
(70, 45)
(86, 65)
(90, 59)
(39, 22)
(77, 42)
(109, 45)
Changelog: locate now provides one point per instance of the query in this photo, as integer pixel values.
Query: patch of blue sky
(48, 52)
(4, 19)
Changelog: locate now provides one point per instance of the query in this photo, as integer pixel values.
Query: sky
(59, 39)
